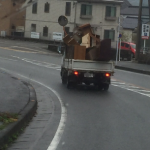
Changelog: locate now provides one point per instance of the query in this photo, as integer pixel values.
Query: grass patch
(7, 118)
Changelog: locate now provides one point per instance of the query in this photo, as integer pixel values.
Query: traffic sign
(120, 35)
(145, 31)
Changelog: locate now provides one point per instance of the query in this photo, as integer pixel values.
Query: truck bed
(89, 65)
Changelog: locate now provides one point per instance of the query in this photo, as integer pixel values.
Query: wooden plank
(73, 42)
(66, 39)
(79, 52)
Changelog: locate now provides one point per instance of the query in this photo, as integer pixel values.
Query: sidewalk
(16, 97)
(133, 67)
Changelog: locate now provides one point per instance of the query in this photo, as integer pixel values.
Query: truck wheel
(64, 79)
(100, 87)
(106, 87)
(70, 85)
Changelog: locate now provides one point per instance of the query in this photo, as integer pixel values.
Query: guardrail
(145, 50)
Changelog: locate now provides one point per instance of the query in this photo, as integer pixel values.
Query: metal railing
(145, 50)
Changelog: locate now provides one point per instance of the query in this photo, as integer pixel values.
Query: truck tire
(71, 84)
(64, 79)
(106, 87)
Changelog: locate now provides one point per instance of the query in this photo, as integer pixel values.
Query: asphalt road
(80, 119)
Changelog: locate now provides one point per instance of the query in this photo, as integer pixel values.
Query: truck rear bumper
(98, 78)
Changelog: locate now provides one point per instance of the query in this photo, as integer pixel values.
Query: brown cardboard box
(79, 52)
(70, 52)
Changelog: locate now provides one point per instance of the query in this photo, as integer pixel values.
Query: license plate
(88, 75)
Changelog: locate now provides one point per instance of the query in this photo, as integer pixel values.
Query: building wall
(127, 35)
(57, 8)
(9, 15)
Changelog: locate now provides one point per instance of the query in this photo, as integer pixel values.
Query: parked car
(129, 47)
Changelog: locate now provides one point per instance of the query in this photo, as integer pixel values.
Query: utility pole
(149, 7)
(138, 41)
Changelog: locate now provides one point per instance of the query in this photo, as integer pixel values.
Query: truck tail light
(107, 74)
(76, 73)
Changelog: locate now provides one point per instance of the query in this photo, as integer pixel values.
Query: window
(68, 9)
(45, 31)
(34, 8)
(109, 34)
(127, 46)
(46, 8)
(133, 46)
(86, 9)
(110, 11)
(67, 30)
(33, 27)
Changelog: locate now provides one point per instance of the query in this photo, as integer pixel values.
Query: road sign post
(120, 36)
(145, 35)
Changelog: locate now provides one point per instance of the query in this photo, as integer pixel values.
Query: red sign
(145, 37)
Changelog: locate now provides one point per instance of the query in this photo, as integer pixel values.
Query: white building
(42, 17)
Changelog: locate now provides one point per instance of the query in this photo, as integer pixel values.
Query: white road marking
(40, 63)
(132, 88)
(54, 143)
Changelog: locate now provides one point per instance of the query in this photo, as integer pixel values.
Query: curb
(26, 114)
(133, 70)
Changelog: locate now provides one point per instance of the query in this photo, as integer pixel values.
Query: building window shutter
(45, 31)
(33, 27)
(86, 9)
(46, 8)
(110, 11)
(67, 30)
(68, 9)
(109, 34)
(34, 8)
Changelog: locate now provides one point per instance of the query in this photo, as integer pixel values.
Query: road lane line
(40, 63)
(57, 137)
(8, 59)
(133, 89)
(30, 49)
(17, 50)
(39, 51)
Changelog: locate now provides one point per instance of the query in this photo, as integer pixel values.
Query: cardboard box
(79, 52)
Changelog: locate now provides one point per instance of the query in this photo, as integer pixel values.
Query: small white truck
(83, 62)
(98, 73)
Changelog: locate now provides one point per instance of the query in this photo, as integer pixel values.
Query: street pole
(144, 47)
(138, 41)
(119, 48)
(117, 41)
(149, 7)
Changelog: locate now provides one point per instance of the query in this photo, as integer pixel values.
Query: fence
(145, 50)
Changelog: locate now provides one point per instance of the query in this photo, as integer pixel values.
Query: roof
(130, 23)
(136, 2)
(134, 10)
(125, 4)
(102, 1)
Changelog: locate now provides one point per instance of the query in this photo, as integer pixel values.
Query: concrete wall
(9, 15)
(57, 8)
